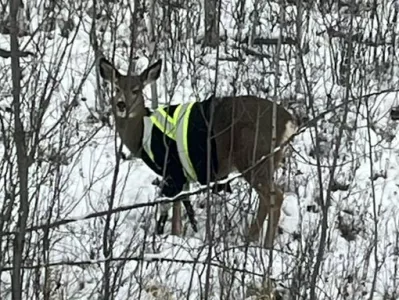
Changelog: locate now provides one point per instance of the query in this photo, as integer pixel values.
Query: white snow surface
(348, 265)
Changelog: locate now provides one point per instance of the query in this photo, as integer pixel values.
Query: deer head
(128, 90)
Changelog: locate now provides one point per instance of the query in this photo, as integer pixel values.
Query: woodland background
(77, 220)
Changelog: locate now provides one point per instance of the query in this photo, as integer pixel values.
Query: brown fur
(242, 129)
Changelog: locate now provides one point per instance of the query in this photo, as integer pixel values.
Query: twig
(183, 195)
(7, 54)
(83, 263)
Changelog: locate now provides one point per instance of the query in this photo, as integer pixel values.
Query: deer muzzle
(121, 106)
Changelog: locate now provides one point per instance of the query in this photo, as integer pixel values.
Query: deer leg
(160, 227)
(190, 214)
(263, 210)
(274, 217)
(170, 188)
(217, 188)
(176, 218)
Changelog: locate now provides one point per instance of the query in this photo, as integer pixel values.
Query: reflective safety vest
(175, 127)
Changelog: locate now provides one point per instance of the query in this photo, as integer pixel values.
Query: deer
(241, 128)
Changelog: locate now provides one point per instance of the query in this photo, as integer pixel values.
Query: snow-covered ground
(362, 243)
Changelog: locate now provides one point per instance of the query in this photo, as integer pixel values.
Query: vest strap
(175, 128)
(147, 137)
(183, 117)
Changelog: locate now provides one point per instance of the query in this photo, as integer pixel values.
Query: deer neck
(130, 130)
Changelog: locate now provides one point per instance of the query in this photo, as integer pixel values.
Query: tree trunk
(211, 38)
(22, 157)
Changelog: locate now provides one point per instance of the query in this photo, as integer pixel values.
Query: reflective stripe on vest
(176, 129)
(147, 138)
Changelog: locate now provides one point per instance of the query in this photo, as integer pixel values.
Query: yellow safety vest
(175, 128)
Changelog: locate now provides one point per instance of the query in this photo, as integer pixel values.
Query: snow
(350, 258)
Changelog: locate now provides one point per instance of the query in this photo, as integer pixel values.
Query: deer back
(242, 129)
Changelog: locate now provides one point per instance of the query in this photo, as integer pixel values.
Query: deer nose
(121, 105)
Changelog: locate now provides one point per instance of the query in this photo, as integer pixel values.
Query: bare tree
(211, 23)
(77, 219)
(23, 160)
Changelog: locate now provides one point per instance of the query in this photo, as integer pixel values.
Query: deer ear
(152, 73)
(107, 70)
